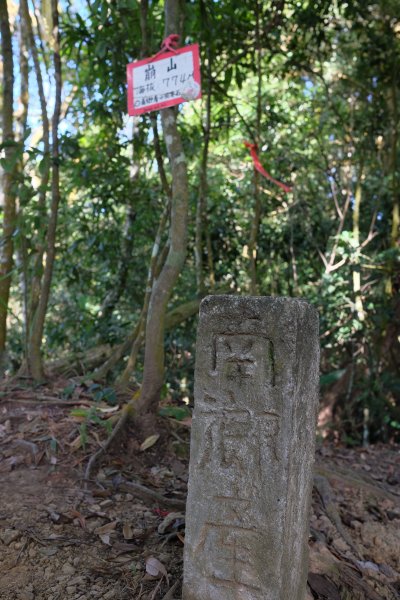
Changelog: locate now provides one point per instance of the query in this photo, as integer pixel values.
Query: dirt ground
(115, 540)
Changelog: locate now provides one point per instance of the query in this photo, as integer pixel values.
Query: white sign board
(165, 80)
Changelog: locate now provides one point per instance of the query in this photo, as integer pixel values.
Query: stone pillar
(252, 449)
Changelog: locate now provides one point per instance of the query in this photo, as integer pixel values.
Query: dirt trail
(58, 541)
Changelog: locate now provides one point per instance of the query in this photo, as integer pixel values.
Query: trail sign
(167, 79)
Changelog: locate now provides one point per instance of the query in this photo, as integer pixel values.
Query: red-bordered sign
(165, 80)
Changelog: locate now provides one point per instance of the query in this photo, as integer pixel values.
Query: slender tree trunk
(393, 160)
(295, 278)
(22, 113)
(153, 376)
(203, 184)
(7, 176)
(358, 301)
(210, 256)
(156, 259)
(255, 224)
(21, 254)
(123, 379)
(37, 327)
(33, 360)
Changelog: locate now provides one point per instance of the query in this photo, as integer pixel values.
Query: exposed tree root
(127, 412)
(324, 489)
(357, 480)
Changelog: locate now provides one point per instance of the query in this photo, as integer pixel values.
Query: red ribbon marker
(169, 44)
(258, 166)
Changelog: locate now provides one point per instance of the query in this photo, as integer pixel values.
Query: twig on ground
(156, 589)
(170, 594)
(50, 401)
(140, 491)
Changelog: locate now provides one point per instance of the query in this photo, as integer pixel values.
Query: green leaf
(79, 412)
(177, 412)
(228, 78)
(101, 48)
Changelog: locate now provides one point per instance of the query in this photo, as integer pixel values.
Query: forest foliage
(87, 191)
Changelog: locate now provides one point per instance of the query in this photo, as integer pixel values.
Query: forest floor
(114, 540)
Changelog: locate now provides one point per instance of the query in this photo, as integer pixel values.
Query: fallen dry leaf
(150, 441)
(77, 515)
(108, 409)
(107, 528)
(127, 531)
(76, 443)
(155, 568)
(105, 538)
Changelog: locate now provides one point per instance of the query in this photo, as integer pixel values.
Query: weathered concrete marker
(252, 449)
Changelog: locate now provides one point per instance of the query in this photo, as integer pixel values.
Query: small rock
(68, 569)
(137, 532)
(340, 545)
(388, 571)
(164, 558)
(128, 497)
(71, 589)
(26, 595)
(78, 580)
(393, 514)
(9, 535)
(368, 565)
(92, 524)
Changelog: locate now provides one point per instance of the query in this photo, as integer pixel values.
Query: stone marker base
(252, 449)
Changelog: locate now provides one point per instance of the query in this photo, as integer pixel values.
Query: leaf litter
(122, 538)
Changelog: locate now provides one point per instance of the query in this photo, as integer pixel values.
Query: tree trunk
(203, 184)
(37, 325)
(153, 376)
(358, 301)
(21, 254)
(35, 283)
(7, 177)
(255, 224)
(394, 184)
(140, 329)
